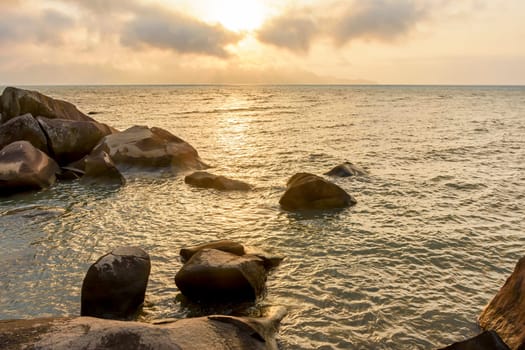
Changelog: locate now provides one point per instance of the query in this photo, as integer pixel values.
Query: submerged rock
(15, 102)
(86, 333)
(23, 128)
(143, 148)
(69, 140)
(100, 169)
(224, 245)
(115, 285)
(505, 313)
(217, 276)
(484, 341)
(307, 191)
(206, 180)
(24, 167)
(346, 169)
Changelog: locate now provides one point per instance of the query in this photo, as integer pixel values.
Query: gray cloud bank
(342, 22)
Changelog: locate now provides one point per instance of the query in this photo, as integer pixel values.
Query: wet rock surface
(23, 128)
(204, 179)
(346, 169)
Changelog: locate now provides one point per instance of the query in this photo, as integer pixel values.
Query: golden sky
(260, 42)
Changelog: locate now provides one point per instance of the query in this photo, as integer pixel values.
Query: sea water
(438, 227)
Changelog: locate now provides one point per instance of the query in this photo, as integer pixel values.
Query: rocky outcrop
(224, 245)
(23, 128)
(484, 341)
(87, 333)
(24, 167)
(69, 140)
(204, 179)
(100, 169)
(156, 149)
(505, 313)
(307, 191)
(115, 285)
(346, 169)
(217, 276)
(15, 102)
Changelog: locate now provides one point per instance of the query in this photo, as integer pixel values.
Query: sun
(237, 15)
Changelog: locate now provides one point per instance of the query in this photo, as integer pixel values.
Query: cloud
(160, 28)
(341, 22)
(294, 32)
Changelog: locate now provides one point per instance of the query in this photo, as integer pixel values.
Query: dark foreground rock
(310, 192)
(505, 313)
(100, 169)
(204, 179)
(69, 141)
(211, 275)
(87, 333)
(15, 102)
(224, 245)
(143, 148)
(346, 169)
(484, 341)
(24, 167)
(115, 285)
(23, 128)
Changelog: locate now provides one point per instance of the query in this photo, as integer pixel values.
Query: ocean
(438, 227)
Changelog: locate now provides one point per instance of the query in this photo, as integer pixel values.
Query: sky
(466, 42)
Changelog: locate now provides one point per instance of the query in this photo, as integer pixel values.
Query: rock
(87, 333)
(222, 245)
(505, 313)
(69, 140)
(143, 148)
(346, 169)
(115, 285)
(484, 341)
(24, 167)
(100, 169)
(206, 180)
(308, 191)
(15, 102)
(23, 128)
(212, 275)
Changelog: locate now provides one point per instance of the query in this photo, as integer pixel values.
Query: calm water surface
(437, 229)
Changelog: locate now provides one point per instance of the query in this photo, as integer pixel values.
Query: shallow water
(437, 229)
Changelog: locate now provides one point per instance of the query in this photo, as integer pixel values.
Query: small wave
(465, 186)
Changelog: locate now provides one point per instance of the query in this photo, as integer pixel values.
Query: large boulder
(115, 285)
(212, 275)
(15, 102)
(307, 191)
(24, 167)
(204, 179)
(505, 313)
(69, 140)
(86, 333)
(143, 148)
(100, 169)
(224, 245)
(484, 341)
(23, 128)
(346, 169)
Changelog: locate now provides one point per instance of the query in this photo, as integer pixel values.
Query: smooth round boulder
(115, 285)
(24, 167)
(150, 149)
(224, 245)
(211, 275)
(346, 169)
(215, 332)
(310, 192)
(505, 313)
(23, 128)
(100, 169)
(15, 102)
(204, 179)
(70, 140)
